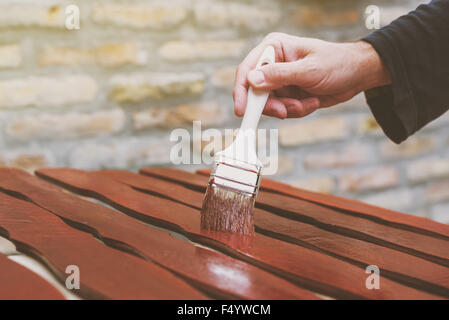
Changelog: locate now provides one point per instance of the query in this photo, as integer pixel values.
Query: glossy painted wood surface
(398, 219)
(406, 268)
(104, 272)
(309, 268)
(216, 273)
(19, 283)
(427, 247)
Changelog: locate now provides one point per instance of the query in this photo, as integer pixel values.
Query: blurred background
(107, 95)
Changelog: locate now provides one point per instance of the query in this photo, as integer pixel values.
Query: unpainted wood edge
(51, 292)
(84, 292)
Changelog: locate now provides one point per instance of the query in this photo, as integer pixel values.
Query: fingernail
(256, 77)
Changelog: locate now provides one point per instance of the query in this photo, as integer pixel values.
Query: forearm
(372, 70)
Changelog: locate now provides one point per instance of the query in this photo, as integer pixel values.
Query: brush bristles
(227, 210)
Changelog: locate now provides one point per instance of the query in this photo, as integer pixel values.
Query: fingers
(300, 108)
(278, 75)
(290, 108)
(241, 85)
(291, 92)
(275, 108)
(240, 96)
(329, 101)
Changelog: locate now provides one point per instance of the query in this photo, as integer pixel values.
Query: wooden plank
(308, 268)
(394, 218)
(382, 215)
(216, 273)
(104, 272)
(19, 283)
(396, 265)
(423, 246)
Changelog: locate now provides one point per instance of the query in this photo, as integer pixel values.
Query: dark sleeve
(415, 49)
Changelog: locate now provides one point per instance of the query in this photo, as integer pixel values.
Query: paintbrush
(234, 181)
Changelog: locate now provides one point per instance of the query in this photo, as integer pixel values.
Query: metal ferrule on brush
(229, 201)
(236, 175)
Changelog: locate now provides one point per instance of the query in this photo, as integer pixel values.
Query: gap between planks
(193, 199)
(104, 269)
(120, 207)
(8, 248)
(282, 206)
(43, 272)
(15, 186)
(353, 207)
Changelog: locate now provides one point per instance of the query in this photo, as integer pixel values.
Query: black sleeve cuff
(393, 106)
(380, 101)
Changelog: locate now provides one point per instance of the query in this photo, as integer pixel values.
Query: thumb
(277, 75)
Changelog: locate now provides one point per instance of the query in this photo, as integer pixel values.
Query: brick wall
(108, 94)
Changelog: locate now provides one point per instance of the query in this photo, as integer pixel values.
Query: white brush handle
(257, 98)
(244, 146)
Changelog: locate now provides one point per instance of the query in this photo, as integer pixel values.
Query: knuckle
(274, 73)
(312, 67)
(276, 39)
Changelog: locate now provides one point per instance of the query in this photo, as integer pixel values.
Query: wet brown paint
(104, 271)
(406, 268)
(213, 272)
(425, 246)
(306, 267)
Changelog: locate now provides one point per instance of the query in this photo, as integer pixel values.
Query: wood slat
(19, 283)
(383, 215)
(424, 246)
(308, 268)
(218, 274)
(395, 218)
(405, 268)
(104, 272)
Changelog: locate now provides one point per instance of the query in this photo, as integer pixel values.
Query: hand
(308, 74)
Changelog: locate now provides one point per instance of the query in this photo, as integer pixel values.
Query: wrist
(373, 72)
